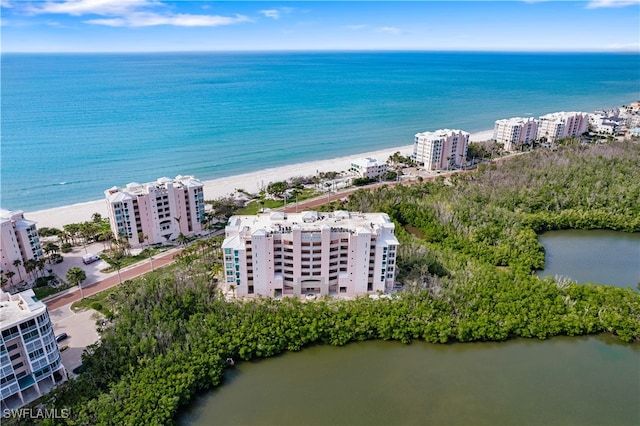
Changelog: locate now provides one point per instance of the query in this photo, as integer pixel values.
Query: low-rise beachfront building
(29, 356)
(156, 212)
(560, 125)
(440, 150)
(292, 254)
(607, 121)
(514, 132)
(19, 243)
(368, 167)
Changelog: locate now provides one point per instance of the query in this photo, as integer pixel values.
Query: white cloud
(178, 20)
(92, 7)
(597, 4)
(131, 13)
(390, 30)
(624, 46)
(355, 27)
(271, 13)
(6, 4)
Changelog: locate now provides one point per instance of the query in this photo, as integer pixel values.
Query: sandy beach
(252, 182)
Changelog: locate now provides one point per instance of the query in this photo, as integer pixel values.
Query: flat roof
(15, 308)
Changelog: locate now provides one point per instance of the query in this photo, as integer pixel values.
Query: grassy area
(99, 301)
(46, 291)
(255, 206)
(130, 260)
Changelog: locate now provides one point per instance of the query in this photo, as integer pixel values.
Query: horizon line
(328, 50)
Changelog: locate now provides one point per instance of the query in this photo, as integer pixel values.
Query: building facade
(560, 125)
(159, 211)
(441, 150)
(29, 355)
(19, 243)
(292, 254)
(514, 132)
(368, 168)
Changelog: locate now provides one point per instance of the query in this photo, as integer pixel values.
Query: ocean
(73, 125)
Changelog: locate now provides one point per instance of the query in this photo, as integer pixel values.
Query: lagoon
(561, 381)
(597, 256)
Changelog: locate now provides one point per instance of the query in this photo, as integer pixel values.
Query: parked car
(60, 337)
(90, 258)
(56, 258)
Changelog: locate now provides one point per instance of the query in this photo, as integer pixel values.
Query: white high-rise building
(29, 356)
(19, 242)
(560, 125)
(159, 210)
(514, 132)
(279, 254)
(442, 149)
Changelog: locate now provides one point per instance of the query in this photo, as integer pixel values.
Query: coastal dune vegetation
(468, 249)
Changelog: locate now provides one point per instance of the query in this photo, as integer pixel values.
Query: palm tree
(17, 264)
(75, 276)
(30, 266)
(182, 239)
(10, 275)
(40, 265)
(115, 262)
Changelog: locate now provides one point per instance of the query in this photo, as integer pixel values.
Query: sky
(155, 25)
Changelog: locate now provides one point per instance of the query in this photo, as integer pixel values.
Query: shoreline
(57, 217)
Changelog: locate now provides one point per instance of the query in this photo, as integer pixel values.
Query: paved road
(125, 274)
(426, 176)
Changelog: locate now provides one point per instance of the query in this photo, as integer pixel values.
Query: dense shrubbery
(469, 246)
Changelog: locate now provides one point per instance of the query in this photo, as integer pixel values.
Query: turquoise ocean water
(73, 125)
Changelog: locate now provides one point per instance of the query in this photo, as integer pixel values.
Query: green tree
(75, 276)
(17, 263)
(277, 189)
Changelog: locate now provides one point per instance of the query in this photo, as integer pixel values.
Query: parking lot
(74, 259)
(81, 331)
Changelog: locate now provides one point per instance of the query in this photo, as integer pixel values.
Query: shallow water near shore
(74, 125)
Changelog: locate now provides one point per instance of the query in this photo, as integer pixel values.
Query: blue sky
(155, 25)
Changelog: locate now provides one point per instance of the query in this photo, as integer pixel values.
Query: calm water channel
(565, 381)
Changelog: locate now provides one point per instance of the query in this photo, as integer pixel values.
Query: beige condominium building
(441, 150)
(156, 212)
(515, 132)
(560, 125)
(29, 355)
(19, 243)
(292, 254)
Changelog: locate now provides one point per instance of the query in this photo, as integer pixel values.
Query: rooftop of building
(309, 221)
(17, 217)
(14, 308)
(515, 120)
(562, 114)
(367, 162)
(115, 193)
(442, 133)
